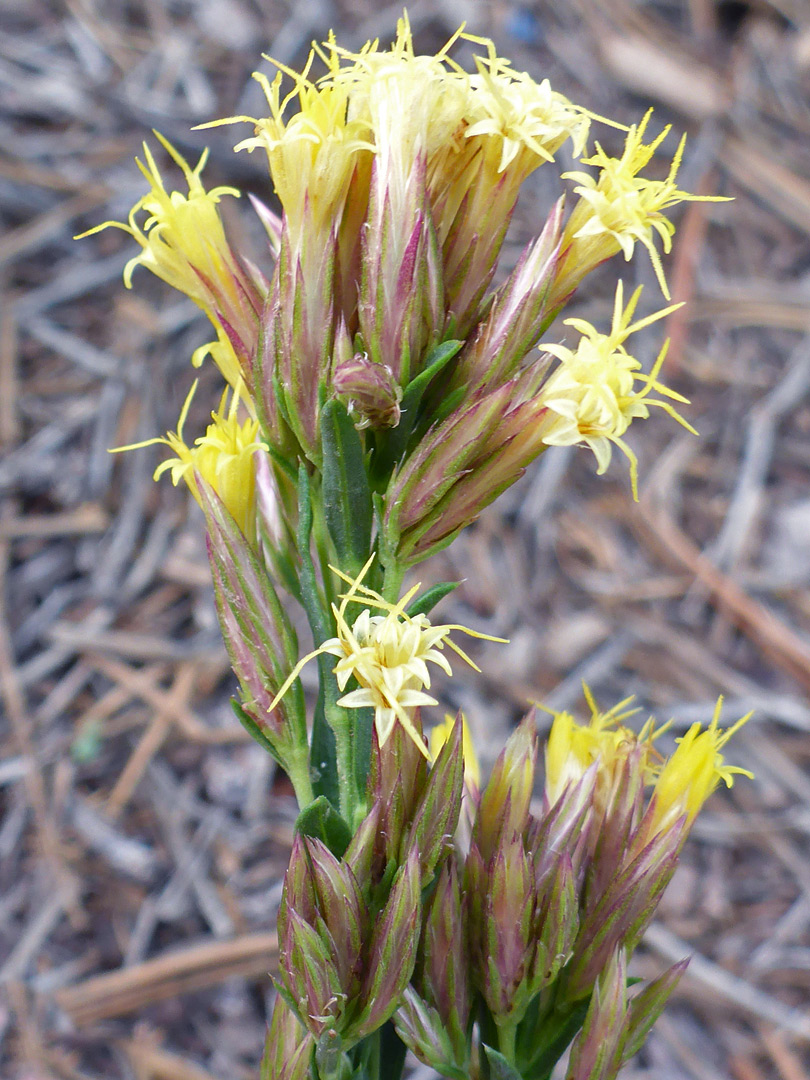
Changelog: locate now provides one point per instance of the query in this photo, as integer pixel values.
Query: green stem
(507, 1033)
(300, 779)
(392, 582)
(341, 725)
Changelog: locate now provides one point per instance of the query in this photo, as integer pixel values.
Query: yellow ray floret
(573, 748)
(692, 773)
(388, 655)
(182, 239)
(591, 397)
(619, 208)
(223, 458)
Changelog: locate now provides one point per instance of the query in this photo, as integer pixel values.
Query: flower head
(619, 208)
(521, 117)
(605, 742)
(311, 153)
(182, 239)
(591, 397)
(183, 242)
(692, 773)
(387, 651)
(222, 457)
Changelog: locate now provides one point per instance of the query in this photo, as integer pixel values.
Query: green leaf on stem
(499, 1067)
(428, 600)
(346, 492)
(321, 821)
(555, 1033)
(393, 443)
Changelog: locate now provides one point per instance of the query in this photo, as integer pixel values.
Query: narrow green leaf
(555, 1034)
(437, 359)
(323, 753)
(428, 600)
(499, 1067)
(392, 1053)
(393, 443)
(321, 821)
(323, 749)
(346, 492)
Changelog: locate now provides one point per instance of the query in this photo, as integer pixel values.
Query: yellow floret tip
(693, 772)
(439, 736)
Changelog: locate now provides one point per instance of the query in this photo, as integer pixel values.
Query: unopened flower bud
(369, 390)
(503, 812)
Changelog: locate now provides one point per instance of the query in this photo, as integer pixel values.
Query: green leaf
(499, 1067)
(437, 359)
(393, 443)
(428, 600)
(346, 491)
(560, 1028)
(392, 1053)
(323, 753)
(362, 728)
(321, 821)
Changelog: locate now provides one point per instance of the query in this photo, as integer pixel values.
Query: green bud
(503, 811)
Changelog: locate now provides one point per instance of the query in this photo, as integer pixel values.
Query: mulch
(143, 838)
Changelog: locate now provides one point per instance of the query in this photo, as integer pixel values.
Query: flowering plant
(387, 394)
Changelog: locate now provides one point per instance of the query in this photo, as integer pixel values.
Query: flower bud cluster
(548, 906)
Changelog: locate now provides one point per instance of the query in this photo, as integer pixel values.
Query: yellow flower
(222, 353)
(519, 116)
(439, 736)
(223, 457)
(182, 239)
(388, 655)
(312, 154)
(411, 104)
(692, 773)
(619, 208)
(573, 748)
(510, 126)
(591, 397)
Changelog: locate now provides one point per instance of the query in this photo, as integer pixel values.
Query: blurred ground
(142, 838)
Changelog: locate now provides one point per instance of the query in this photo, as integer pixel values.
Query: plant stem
(507, 1033)
(341, 725)
(392, 582)
(301, 780)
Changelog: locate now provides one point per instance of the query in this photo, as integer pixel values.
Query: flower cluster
(382, 393)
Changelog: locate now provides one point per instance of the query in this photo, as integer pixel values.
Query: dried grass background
(143, 839)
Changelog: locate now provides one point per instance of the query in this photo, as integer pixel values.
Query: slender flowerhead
(311, 153)
(182, 239)
(183, 242)
(605, 742)
(388, 654)
(693, 772)
(618, 208)
(524, 119)
(591, 397)
(222, 457)
(604, 745)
